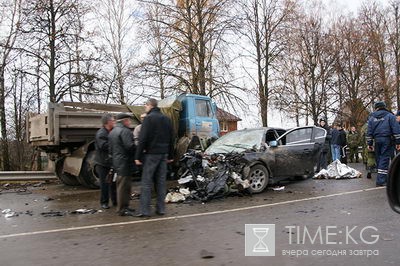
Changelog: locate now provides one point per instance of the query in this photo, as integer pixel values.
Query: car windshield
(237, 141)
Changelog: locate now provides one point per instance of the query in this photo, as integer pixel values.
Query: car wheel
(258, 178)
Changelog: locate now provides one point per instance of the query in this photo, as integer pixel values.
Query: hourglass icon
(260, 233)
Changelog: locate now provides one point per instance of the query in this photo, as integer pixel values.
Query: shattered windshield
(237, 141)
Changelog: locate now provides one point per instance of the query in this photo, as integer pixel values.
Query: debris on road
(135, 195)
(337, 170)
(84, 211)
(278, 188)
(8, 213)
(216, 176)
(48, 199)
(174, 197)
(52, 214)
(205, 254)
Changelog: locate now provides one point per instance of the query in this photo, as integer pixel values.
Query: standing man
(334, 136)
(383, 129)
(102, 161)
(156, 147)
(323, 159)
(338, 142)
(353, 140)
(122, 149)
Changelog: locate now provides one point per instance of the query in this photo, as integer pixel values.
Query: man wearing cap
(122, 150)
(156, 149)
(102, 161)
(383, 129)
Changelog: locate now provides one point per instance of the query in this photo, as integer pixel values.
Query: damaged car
(272, 154)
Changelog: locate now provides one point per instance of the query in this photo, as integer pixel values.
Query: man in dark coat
(384, 132)
(122, 150)
(339, 142)
(323, 158)
(102, 161)
(156, 147)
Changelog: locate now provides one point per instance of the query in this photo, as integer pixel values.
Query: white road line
(185, 216)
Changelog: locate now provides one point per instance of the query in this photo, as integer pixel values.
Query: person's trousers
(107, 187)
(384, 150)
(353, 150)
(336, 152)
(323, 161)
(154, 172)
(123, 192)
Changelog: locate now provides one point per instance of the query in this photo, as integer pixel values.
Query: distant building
(227, 121)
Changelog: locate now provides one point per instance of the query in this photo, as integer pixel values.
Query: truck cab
(198, 117)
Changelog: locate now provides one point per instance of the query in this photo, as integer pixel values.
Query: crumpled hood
(380, 113)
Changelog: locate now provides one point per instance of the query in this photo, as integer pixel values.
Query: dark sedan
(273, 154)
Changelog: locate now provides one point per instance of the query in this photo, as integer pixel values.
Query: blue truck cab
(198, 117)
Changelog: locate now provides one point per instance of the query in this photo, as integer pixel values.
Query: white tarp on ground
(337, 170)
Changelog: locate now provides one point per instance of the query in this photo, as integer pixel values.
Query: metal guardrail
(27, 176)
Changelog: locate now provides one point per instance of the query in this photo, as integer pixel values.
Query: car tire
(66, 178)
(258, 177)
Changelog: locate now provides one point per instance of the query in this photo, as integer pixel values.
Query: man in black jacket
(103, 162)
(156, 147)
(122, 150)
(323, 159)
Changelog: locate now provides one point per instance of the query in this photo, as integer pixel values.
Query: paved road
(332, 206)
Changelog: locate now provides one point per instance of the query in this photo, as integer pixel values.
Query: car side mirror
(393, 184)
(273, 143)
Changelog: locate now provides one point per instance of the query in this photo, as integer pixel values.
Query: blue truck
(66, 132)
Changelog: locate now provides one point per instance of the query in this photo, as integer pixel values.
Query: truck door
(204, 118)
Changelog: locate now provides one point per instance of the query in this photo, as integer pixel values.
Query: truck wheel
(66, 178)
(87, 176)
(258, 178)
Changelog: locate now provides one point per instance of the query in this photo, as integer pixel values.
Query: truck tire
(87, 177)
(258, 178)
(66, 178)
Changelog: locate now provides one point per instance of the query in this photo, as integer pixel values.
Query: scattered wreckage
(246, 161)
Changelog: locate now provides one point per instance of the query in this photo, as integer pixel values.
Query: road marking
(185, 216)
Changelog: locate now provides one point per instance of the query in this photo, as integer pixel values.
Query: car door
(297, 151)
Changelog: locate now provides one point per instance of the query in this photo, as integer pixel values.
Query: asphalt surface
(344, 215)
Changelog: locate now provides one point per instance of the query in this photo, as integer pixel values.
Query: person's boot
(369, 175)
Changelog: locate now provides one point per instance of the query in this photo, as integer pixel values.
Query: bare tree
(115, 22)
(352, 68)
(372, 18)
(51, 30)
(264, 25)
(11, 20)
(393, 30)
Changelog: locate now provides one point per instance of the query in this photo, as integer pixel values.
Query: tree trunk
(4, 141)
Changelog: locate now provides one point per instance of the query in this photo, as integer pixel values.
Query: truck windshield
(203, 108)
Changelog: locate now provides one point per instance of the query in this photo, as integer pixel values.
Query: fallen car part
(84, 211)
(52, 214)
(174, 197)
(8, 213)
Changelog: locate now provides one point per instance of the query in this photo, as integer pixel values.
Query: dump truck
(67, 131)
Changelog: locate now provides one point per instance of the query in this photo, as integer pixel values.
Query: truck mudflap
(81, 165)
